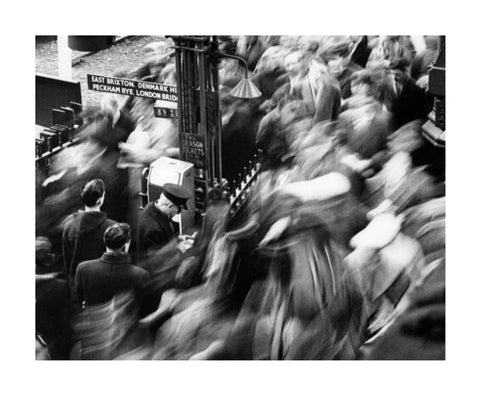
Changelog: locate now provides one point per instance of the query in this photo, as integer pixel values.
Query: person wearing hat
(155, 227)
(99, 280)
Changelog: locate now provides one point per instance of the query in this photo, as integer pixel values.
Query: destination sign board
(123, 86)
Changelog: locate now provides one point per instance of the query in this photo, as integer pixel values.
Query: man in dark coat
(82, 237)
(160, 251)
(98, 281)
(155, 226)
(53, 305)
(412, 102)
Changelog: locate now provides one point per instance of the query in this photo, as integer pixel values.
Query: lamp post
(245, 89)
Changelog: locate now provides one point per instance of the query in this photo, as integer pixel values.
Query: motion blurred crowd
(338, 252)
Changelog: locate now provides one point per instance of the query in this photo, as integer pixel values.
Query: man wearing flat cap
(155, 227)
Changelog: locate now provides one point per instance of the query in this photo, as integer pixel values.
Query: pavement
(125, 54)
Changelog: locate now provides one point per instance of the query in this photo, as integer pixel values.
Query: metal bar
(197, 39)
(238, 199)
(190, 67)
(191, 49)
(181, 113)
(219, 54)
(203, 116)
(218, 135)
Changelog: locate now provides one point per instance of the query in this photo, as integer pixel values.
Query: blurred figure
(191, 270)
(418, 331)
(361, 51)
(152, 138)
(94, 156)
(110, 331)
(385, 263)
(423, 60)
(203, 316)
(270, 74)
(426, 223)
(250, 48)
(318, 90)
(271, 138)
(290, 42)
(240, 119)
(411, 101)
(117, 108)
(388, 50)
(227, 44)
(157, 56)
(338, 58)
(53, 304)
(364, 128)
(399, 186)
(318, 155)
(98, 281)
(309, 308)
(230, 71)
(83, 232)
(295, 122)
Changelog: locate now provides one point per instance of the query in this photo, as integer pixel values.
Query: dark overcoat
(155, 230)
(99, 280)
(82, 239)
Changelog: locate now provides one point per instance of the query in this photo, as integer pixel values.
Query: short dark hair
(117, 235)
(92, 191)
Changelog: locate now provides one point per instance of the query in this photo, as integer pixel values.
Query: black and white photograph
(240, 197)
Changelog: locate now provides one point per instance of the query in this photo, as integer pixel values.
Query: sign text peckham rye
(121, 86)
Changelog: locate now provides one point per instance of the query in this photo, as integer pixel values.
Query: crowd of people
(337, 253)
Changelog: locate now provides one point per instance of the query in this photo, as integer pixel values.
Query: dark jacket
(364, 129)
(99, 280)
(82, 239)
(155, 230)
(345, 80)
(53, 310)
(418, 333)
(238, 139)
(412, 103)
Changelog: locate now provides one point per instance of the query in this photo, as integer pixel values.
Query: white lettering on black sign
(122, 86)
(193, 148)
(161, 112)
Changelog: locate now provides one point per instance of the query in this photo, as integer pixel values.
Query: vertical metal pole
(203, 115)
(218, 129)
(181, 95)
(199, 113)
(64, 58)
